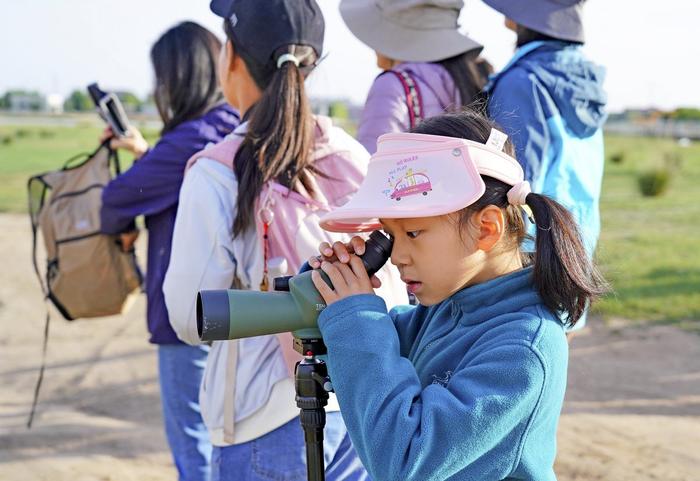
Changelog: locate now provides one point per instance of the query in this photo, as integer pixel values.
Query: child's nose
(399, 256)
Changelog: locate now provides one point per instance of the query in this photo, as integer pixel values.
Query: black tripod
(312, 386)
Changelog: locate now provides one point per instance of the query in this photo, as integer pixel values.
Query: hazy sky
(649, 47)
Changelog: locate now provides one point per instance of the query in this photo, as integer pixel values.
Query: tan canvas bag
(87, 273)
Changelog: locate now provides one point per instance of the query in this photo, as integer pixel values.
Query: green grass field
(649, 247)
(28, 150)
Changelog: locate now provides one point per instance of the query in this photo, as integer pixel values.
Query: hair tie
(517, 195)
(287, 57)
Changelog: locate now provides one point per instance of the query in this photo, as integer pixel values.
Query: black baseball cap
(260, 27)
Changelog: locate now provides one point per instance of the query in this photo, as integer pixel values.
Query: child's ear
(491, 223)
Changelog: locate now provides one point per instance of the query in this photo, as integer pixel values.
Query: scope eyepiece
(377, 252)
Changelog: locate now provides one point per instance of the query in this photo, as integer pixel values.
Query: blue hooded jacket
(550, 100)
(151, 187)
(468, 389)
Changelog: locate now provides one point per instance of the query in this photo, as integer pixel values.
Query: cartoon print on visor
(413, 183)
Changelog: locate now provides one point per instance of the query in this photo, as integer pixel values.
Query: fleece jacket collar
(486, 301)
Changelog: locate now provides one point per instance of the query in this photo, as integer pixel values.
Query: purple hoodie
(151, 187)
(386, 109)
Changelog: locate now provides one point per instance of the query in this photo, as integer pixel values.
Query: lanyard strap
(414, 101)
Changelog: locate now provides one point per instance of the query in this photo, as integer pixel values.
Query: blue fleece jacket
(151, 187)
(468, 389)
(550, 100)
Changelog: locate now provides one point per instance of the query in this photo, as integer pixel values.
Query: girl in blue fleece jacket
(469, 384)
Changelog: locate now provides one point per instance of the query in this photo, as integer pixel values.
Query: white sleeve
(201, 256)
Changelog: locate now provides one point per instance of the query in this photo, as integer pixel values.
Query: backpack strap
(114, 159)
(266, 216)
(414, 100)
(34, 210)
(223, 152)
(35, 206)
(37, 387)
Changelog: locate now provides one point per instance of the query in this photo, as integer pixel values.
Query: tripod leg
(311, 398)
(313, 422)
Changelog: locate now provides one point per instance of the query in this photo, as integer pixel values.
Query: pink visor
(419, 175)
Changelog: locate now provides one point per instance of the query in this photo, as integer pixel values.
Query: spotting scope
(294, 305)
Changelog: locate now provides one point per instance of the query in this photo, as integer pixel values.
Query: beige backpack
(87, 273)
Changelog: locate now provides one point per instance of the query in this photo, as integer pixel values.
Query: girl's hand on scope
(342, 255)
(338, 252)
(348, 279)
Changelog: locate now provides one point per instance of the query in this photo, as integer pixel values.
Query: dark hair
(527, 35)
(279, 140)
(565, 276)
(469, 72)
(185, 63)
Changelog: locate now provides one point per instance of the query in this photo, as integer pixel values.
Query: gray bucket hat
(409, 30)
(557, 18)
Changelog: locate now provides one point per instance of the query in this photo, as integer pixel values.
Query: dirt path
(632, 410)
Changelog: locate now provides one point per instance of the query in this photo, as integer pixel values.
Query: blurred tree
(130, 101)
(22, 100)
(78, 101)
(686, 113)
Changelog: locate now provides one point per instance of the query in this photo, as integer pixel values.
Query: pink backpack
(287, 221)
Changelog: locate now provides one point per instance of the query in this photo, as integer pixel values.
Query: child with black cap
(247, 394)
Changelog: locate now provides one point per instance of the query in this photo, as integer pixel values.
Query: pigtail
(278, 144)
(565, 276)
